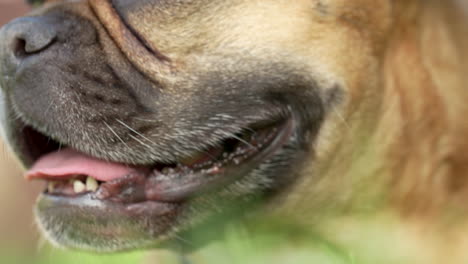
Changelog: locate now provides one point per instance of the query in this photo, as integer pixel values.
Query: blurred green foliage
(271, 242)
(50, 255)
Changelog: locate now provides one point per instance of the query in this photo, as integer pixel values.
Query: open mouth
(72, 176)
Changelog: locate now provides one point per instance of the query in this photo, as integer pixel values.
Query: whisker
(250, 129)
(115, 134)
(146, 120)
(141, 142)
(48, 108)
(134, 131)
(341, 117)
(242, 140)
(182, 239)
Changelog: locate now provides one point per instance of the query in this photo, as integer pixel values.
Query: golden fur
(410, 131)
(399, 172)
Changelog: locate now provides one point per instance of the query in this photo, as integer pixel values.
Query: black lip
(181, 184)
(165, 188)
(131, 218)
(88, 202)
(121, 224)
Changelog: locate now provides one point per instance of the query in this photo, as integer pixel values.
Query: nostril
(27, 46)
(27, 36)
(19, 48)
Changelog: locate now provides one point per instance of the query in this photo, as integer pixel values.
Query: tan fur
(430, 83)
(402, 173)
(419, 108)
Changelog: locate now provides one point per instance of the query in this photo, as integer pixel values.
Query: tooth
(51, 187)
(78, 186)
(91, 184)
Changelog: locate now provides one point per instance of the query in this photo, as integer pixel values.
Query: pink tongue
(68, 162)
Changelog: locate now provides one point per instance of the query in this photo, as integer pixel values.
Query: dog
(151, 119)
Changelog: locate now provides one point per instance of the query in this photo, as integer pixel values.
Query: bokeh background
(16, 195)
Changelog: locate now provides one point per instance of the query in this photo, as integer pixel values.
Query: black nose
(25, 36)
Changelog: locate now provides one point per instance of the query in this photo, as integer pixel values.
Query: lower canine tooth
(78, 186)
(91, 184)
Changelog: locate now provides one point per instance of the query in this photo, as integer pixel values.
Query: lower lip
(86, 219)
(76, 211)
(88, 203)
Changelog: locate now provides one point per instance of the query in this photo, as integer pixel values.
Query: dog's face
(149, 118)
